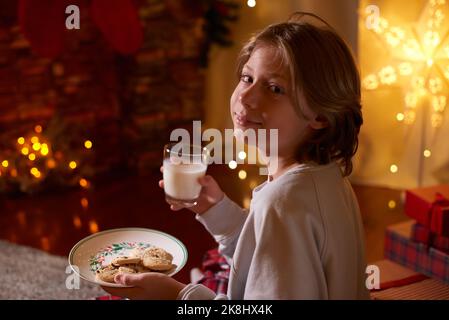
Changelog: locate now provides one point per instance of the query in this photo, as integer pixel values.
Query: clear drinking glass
(183, 165)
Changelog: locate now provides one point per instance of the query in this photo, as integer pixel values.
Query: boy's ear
(319, 122)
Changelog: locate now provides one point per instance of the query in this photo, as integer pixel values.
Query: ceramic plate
(99, 249)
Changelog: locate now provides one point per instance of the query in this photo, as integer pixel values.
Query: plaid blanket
(215, 272)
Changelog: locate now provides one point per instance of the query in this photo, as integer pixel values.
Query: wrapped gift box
(423, 235)
(429, 207)
(400, 248)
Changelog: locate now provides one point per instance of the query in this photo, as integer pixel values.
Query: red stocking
(119, 22)
(43, 24)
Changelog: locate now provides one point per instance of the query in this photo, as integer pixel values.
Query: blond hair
(324, 71)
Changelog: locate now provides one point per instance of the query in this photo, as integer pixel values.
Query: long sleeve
(289, 242)
(224, 221)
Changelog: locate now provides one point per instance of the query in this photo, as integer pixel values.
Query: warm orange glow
(253, 184)
(21, 140)
(51, 163)
(242, 174)
(32, 156)
(246, 202)
(25, 151)
(5, 163)
(21, 217)
(38, 129)
(84, 183)
(84, 203)
(13, 173)
(45, 243)
(93, 226)
(419, 52)
(77, 222)
(34, 139)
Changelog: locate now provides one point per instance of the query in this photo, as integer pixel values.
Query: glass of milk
(183, 165)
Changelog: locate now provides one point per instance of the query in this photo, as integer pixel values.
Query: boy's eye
(246, 78)
(276, 89)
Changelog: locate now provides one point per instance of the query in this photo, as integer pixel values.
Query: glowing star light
(420, 61)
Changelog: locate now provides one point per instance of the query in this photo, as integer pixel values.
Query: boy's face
(262, 100)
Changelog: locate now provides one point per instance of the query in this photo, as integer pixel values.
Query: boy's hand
(210, 195)
(146, 286)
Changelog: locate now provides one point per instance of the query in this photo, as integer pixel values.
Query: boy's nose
(248, 99)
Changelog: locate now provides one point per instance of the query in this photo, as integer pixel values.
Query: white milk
(181, 180)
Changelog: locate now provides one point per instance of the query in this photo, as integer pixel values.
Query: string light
(88, 144)
(36, 146)
(72, 165)
(242, 174)
(232, 164)
(251, 3)
(400, 116)
(391, 204)
(44, 149)
(427, 153)
(35, 172)
(242, 155)
(33, 148)
(393, 168)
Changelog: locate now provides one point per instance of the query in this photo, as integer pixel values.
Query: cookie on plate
(107, 273)
(157, 259)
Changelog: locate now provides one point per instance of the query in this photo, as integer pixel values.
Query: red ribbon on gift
(437, 221)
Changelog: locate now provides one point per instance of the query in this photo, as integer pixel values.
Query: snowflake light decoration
(420, 61)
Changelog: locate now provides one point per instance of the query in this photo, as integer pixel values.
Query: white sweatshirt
(302, 239)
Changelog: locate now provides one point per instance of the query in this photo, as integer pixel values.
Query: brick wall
(126, 104)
